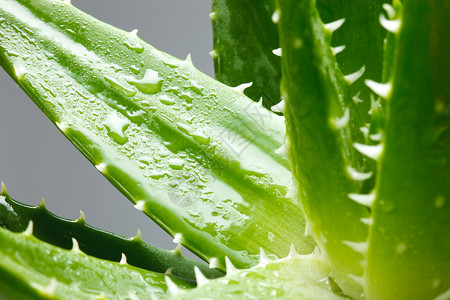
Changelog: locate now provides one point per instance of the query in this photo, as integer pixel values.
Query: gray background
(37, 161)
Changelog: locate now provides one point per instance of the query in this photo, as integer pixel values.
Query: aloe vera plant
(341, 194)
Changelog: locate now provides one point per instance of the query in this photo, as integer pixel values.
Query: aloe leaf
(57, 273)
(294, 277)
(196, 156)
(324, 128)
(244, 40)
(409, 245)
(95, 242)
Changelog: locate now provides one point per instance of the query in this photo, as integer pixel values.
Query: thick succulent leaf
(58, 231)
(363, 38)
(40, 268)
(244, 38)
(323, 127)
(294, 277)
(409, 245)
(196, 156)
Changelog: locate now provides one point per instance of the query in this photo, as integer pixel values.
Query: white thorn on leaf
(42, 203)
(199, 277)
(390, 25)
(351, 78)
(82, 217)
(358, 176)
(171, 286)
(101, 167)
(292, 252)
(29, 230)
(75, 246)
(140, 205)
(169, 271)
(213, 53)
(134, 32)
(276, 16)
(333, 26)
(263, 259)
(356, 98)
(189, 59)
(371, 151)
(178, 238)
(279, 107)
(363, 199)
(307, 227)
(338, 49)
(19, 70)
(341, 122)
(365, 131)
(389, 10)
(213, 263)
(69, 2)
(367, 221)
(138, 236)
(381, 89)
(377, 137)
(63, 127)
(230, 268)
(3, 190)
(123, 259)
(241, 88)
(360, 247)
(277, 52)
(284, 149)
(212, 16)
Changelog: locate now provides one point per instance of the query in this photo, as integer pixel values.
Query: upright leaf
(196, 156)
(324, 128)
(245, 39)
(409, 249)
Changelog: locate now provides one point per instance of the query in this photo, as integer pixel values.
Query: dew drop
(164, 99)
(176, 163)
(137, 47)
(149, 84)
(116, 127)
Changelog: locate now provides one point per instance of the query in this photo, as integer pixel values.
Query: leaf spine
(171, 286)
(213, 263)
(230, 268)
(381, 89)
(333, 26)
(276, 16)
(169, 271)
(189, 59)
(29, 230)
(42, 203)
(82, 218)
(241, 88)
(341, 122)
(363, 199)
(263, 259)
(389, 10)
(390, 25)
(138, 236)
(277, 52)
(123, 259)
(356, 175)
(140, 205)
(3, 190)
(134, 32)
(356, 98)
(351, 78)
(292, 252)
(338, 49)
(279, 107)
(360, 247)
(75, 246)
(371, 151)
(101, 167)
(200, 277)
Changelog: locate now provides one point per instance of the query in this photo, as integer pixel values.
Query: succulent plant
(317, 168)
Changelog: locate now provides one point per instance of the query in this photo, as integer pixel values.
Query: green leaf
(409, 245)
(39, 268)
(294, 277)
(196, 156)
(323, 129)
(58, 231)
(244, 38)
